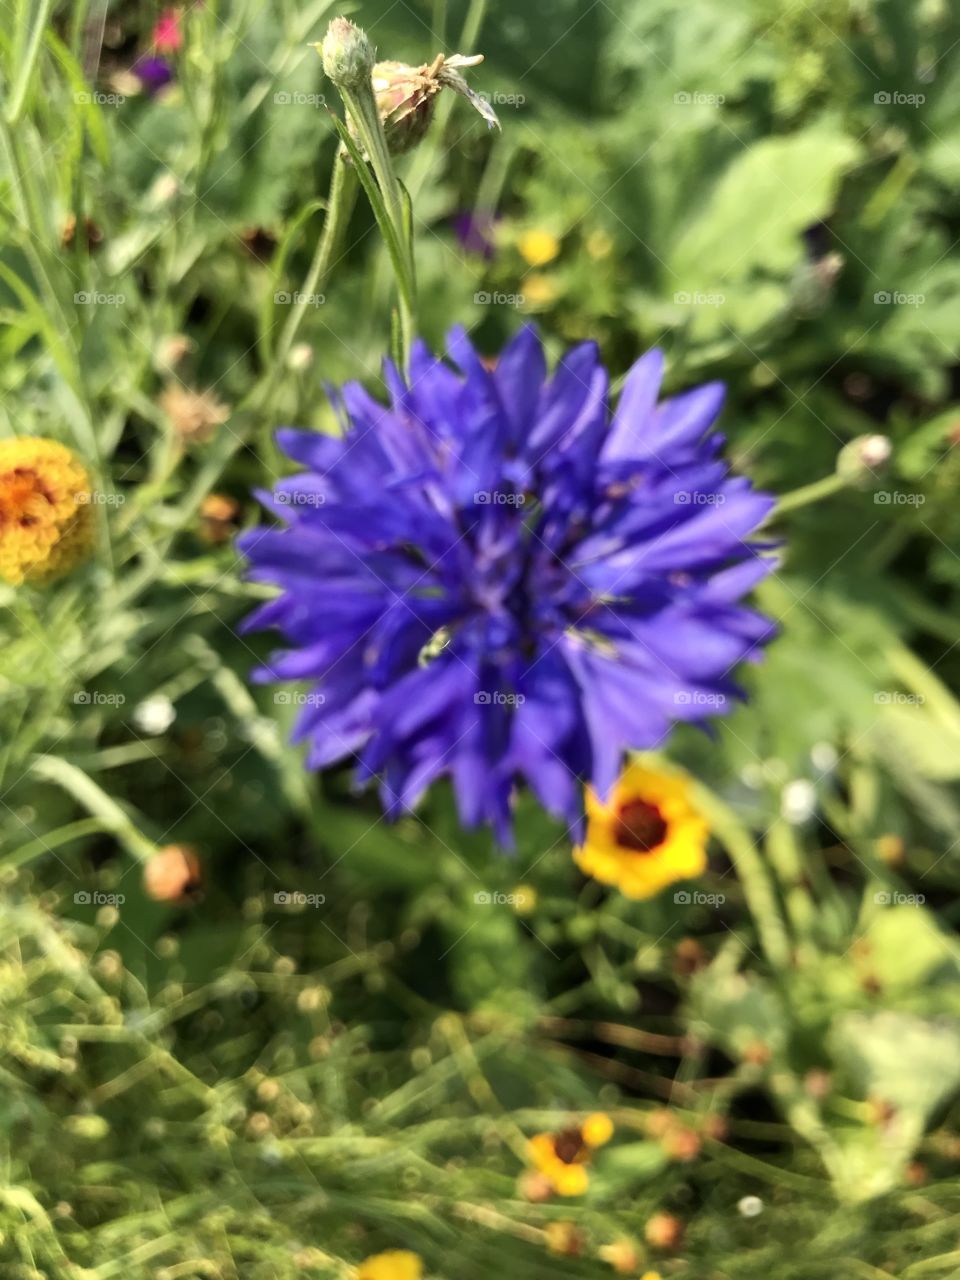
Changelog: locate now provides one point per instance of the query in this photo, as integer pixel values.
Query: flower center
(640, 826)
(568, 1145)
(20, 491)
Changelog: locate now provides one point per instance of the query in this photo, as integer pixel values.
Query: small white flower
(798, 801)
(750, 1206)
(155, 715)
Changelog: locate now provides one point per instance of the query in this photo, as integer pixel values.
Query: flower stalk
(348, 60)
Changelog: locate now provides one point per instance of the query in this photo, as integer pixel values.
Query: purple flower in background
(474, 229)
(496, 580)
(154, 73)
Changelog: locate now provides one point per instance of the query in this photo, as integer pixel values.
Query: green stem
(752, 874)
(787, 863)
(802, 497)
(340, 202)
(96, 801)
(19, 95)
(362, 108)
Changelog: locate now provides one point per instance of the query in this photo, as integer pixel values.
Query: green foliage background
(237, 1089)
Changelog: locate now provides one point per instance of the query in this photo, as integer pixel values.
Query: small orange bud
(681, 1144)
(218, 514)
(622, 1255)
(757, 1054)
(891, 849)
(564, 1239)
(535, 1187)
(172, 874)
(818, 1083)
(664, 1231)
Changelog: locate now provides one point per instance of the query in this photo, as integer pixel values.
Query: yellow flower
(646, 836)
(525, 899)
(46, 521)
(563, 1157)
(538, 290)
(538, 247)
(395, 1264)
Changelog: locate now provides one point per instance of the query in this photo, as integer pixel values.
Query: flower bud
(862, 458)
(406, 97)
(348, 56)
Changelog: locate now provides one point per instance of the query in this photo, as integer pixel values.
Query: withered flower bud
(406, 96)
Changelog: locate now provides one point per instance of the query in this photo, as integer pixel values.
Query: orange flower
(46, 521)
(194, 415)
(646, 836)
(563, 1157)
(173, 874)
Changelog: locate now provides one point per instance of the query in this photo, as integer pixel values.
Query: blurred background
(304, 1037)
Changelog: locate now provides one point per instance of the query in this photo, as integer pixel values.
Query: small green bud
(348, 56)
(860, 460)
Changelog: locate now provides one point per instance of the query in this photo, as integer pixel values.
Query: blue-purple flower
(153, 72)
(497, 580)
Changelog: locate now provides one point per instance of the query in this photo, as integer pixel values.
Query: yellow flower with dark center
(395, 1264)
(538, 247)
(646, 836)
(46, 521)
(563, 1157)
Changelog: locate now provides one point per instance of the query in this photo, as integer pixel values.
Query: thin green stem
(753, 876)
(362, 109)
(19, 95)
(340, 202)
(808, 493)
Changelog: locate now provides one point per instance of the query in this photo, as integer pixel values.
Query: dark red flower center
(568, 1145)
(640, 826)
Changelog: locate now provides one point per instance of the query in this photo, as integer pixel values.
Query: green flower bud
(348, 56)
(406, 97)
(859, 461)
